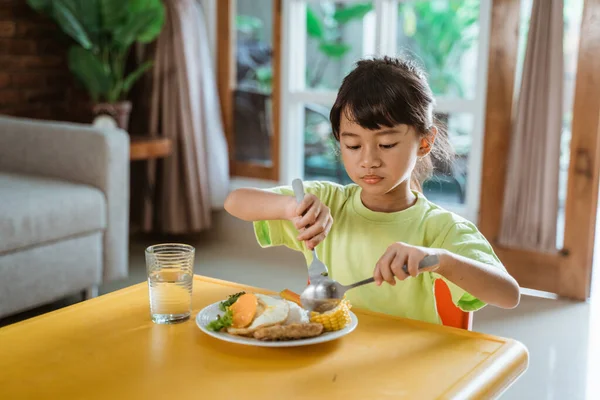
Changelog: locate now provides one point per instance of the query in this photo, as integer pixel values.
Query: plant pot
(119, 111)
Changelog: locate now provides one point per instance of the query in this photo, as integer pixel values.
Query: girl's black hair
(384, 92)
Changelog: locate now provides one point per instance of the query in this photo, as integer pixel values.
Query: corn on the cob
(333, 320)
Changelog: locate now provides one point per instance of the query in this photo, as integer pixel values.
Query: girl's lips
(372, 179)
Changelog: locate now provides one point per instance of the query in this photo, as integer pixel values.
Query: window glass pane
(338, 34)
(252, 107)
(443, 36)
(448, 185)
(321, 150)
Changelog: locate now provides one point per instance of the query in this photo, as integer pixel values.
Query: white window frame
(294, 94)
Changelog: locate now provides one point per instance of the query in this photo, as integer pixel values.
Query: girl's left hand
(389, 266)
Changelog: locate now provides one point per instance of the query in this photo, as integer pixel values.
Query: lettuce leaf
(222, 322)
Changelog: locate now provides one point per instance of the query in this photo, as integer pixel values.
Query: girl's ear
(427, 141)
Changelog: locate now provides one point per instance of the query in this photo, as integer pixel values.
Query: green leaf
(70, 25)
(114, 94)
(70, 4)
(88, 12)
(135, 75)
(153, 28)
(90, 71)
(354, 11)
(135, 6)
(113, 14)
(144, 27)
(73, 16)
(314, 27)
(41, 6)
(264, 74)
(222, 322)
(334, 50)
(248, 24)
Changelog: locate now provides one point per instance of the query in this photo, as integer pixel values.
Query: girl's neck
(398, 199)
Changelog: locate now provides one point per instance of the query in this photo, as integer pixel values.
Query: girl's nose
(370, 158)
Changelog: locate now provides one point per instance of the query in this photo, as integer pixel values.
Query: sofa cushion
(36, 210)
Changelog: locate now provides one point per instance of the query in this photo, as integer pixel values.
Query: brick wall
(35, 81)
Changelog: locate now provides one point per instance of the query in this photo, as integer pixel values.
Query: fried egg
(270, 311)
(297, 314)
(244, 310)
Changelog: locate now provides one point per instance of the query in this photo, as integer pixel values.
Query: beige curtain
(185, 107)
(531, 197)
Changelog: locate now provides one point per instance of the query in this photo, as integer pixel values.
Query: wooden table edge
(494, 375)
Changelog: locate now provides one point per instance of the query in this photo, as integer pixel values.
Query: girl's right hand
(313, 219)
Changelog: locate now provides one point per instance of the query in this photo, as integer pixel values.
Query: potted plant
(104, 31)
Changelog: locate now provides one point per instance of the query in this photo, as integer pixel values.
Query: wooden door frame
(226, 83)
(566, 272)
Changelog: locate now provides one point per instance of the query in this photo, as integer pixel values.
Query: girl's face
(380, 160)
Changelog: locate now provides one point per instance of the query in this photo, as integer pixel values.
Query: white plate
(209, 313)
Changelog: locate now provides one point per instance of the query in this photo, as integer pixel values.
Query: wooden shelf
(147, 148)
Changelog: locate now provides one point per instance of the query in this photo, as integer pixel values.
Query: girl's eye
(388, 146)
(352, 147)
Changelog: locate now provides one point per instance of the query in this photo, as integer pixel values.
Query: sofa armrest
(81, 154)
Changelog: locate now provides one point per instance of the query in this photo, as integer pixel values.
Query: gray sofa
(64, 210)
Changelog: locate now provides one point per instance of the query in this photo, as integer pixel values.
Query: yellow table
(107, 348)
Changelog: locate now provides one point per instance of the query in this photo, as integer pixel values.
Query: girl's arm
(312, 218)
(488, 283)
(259, 205)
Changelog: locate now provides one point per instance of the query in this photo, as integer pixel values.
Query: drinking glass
(170, 269)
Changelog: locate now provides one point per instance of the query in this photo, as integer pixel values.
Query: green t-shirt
(359, 237)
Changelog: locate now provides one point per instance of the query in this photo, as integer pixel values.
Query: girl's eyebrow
(387, 132)
(380, 133)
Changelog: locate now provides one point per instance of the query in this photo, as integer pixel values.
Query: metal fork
(317, 270)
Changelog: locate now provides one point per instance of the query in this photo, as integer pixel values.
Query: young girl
(383, 119)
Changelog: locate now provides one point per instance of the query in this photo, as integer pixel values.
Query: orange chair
(449, 313)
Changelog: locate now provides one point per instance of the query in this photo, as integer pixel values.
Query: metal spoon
(326, 294)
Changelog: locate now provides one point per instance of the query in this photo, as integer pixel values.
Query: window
(249, 78)
(443, 35)
(320, 40)
(323, 40)
(253, 81)
(337, 34)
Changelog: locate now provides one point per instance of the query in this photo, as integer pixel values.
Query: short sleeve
(283, 232)
(464, 239)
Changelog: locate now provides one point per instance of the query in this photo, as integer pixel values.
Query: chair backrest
(449, 313)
